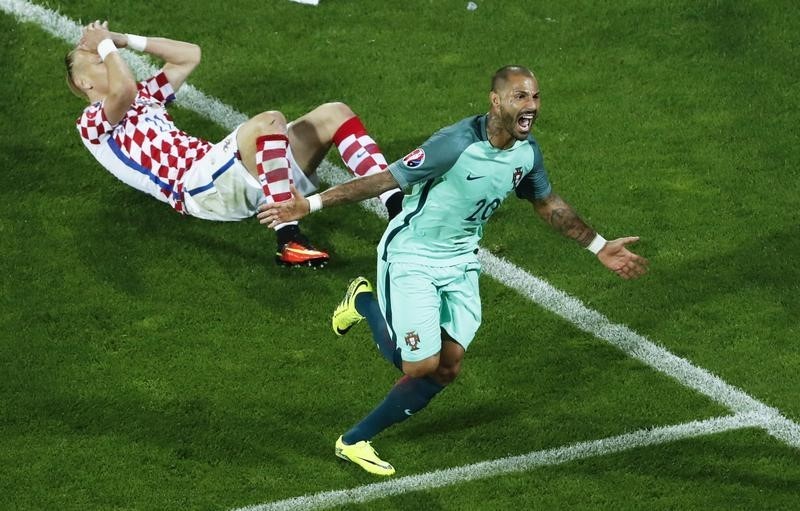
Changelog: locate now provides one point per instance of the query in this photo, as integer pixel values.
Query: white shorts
(219, 187)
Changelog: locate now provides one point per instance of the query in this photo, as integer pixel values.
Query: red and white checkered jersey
(144, 150)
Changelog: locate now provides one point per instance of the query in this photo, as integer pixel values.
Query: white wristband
(136, 42)
(597, 244)
(314, 202)
(105, 47)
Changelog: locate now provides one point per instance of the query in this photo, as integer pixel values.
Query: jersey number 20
(483, 209)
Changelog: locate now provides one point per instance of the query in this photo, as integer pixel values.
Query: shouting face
(515, 106)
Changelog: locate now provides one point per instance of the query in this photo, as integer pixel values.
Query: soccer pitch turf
(157, 362)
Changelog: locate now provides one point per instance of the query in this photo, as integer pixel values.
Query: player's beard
(510, 122)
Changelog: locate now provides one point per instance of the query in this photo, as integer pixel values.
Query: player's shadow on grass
(191, 428)
(129, 235)
(444, 422)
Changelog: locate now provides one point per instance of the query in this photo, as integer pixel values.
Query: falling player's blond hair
(69, 60)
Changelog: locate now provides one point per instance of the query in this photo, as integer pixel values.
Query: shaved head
(501, 75)
(514, 101)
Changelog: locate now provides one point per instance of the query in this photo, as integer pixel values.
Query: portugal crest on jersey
(415, 158)
(517, 177)
(412, 339)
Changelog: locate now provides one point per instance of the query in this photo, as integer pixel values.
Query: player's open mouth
(525, 121)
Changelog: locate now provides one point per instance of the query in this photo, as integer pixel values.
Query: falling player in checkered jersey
(128, 130)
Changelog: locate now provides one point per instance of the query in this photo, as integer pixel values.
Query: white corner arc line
(512, 464)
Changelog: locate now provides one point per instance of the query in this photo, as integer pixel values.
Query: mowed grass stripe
(512, 464)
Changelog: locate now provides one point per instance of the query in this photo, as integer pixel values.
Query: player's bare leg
(263, 143)
(265, 123)
(312, 135)
(450, 359)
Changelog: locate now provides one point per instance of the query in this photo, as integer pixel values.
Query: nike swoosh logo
(470, 177)
(342, 331)
(301, 251)
(359, 286)
(355, 291)
(382, 465)
(408, 412)
(361, 153)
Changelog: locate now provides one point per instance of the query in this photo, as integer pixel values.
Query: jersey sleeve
(92, 124)
(158, 88)
(535, 184)
(432, 159)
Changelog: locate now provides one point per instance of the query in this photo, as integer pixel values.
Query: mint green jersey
(457, 180)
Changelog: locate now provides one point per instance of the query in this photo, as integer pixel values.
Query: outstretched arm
(561, 217)
(352, 191)
(180, 58)
(613, 254)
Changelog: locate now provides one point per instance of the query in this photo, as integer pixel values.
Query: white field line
(513, 464)
(187, 96)
(637, 346)
(535, 289)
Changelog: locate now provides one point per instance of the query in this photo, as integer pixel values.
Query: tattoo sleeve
(560, 215)
(358, 189)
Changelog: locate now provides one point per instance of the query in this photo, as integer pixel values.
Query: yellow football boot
(346, 316)
(362, 454)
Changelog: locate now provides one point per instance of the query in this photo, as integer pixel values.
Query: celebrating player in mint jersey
(428, 306)
(128, 130)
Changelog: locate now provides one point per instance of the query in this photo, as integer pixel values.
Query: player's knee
(426, 367)
(267, 123)
(337, 110)
(325, 120)
(446, 374)
(330, 116)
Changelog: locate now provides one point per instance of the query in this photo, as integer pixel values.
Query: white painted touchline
(187, 96)
(512, 464)
(637, 346)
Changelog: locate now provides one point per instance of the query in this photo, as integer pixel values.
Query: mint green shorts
(418, 301)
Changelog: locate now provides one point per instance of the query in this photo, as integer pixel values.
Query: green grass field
(153, 361)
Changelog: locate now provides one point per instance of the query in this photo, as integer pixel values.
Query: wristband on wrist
(597, 244)
(136, 42)
(105, 47)
(314, 202)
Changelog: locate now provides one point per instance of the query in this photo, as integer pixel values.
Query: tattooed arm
(561, 217)
(614, 255)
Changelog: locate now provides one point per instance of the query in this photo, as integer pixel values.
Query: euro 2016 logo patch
(415, 158)
(412, 339)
